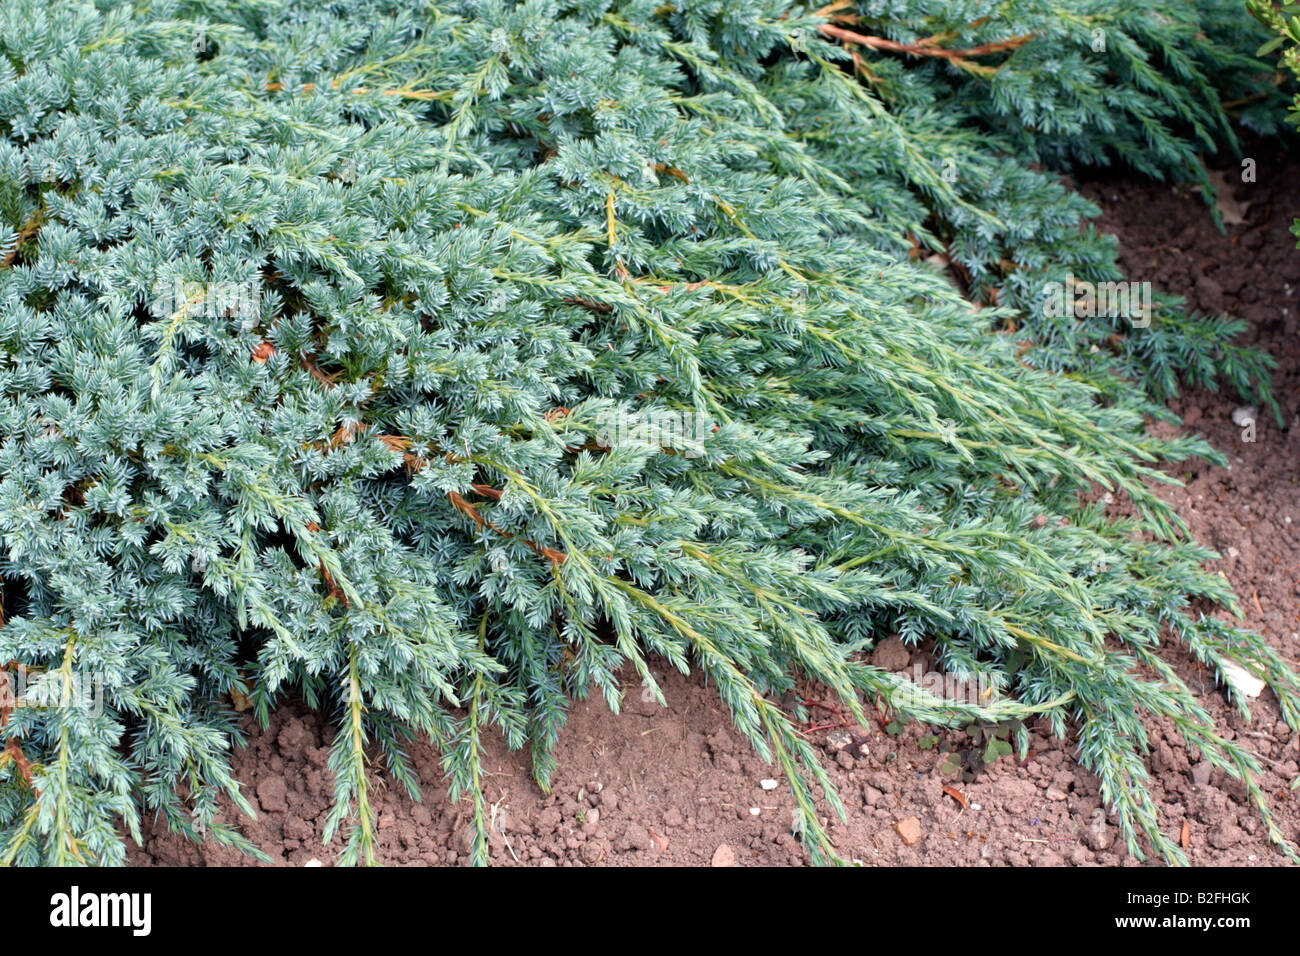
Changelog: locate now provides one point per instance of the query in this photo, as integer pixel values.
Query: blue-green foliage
(316, 320)
(1089, 81)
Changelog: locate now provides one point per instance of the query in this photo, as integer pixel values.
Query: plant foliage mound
(436, 361)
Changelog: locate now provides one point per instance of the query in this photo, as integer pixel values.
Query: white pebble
(1243, 416)
(767, 783)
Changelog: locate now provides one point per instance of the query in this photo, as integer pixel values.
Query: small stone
(1099, 838)
(844, 759)
(891, 654)
(724, 856)
(754, 811)
(636, 837)
(1163, 758)
(592, 851)
(1243, 416)
(881, 781)
(1226, 836)
(273, 795)
(1201, 773)
(548, 820)
(837, 740)
(1040, 521)
(909, 830)
(721, 743)
(767, 783)
(1210, 294)
(313, 862)
(1056, 793)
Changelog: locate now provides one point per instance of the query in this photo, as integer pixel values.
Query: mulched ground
(677, 786)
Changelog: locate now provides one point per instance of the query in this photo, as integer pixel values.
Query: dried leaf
(241, 700)
(1232, 211)
(958, 796)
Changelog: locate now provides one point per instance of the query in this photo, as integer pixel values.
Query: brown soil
(678, 786)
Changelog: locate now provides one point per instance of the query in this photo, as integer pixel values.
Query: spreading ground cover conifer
(435, 361)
